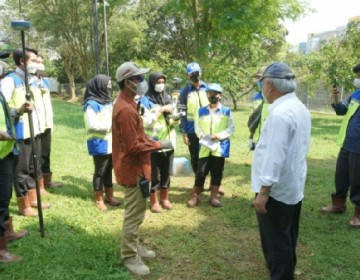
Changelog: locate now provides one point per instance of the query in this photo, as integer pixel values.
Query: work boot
(11, 234)
(109, 197)
(5, 256)
(338, 205)
(164, 199)
(355, 220)
(33, 200)
(144, 253)
(24, 207)
(136, 265)
(49, 183)
(99, 200)
(154, 203)
(195, 198)
(213, 198)
(221, 191)
(42, 187)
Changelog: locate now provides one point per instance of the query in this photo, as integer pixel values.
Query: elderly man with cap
(214, 125)
(131, 161)
(347, 175)
(279, 170)
(8, 158)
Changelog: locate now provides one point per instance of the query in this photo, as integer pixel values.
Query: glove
(166, 144)
(251, 144)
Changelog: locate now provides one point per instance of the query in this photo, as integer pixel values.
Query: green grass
(200, 243)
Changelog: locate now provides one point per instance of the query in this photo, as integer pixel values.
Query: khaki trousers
(135, 207)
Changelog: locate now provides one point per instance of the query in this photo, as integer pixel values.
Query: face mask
(195, 78)
(32, 67)
(264, 96)
(40, 68)
(141, 88)
(159, 87)
(357, 83)
(1, 70)
(213, 99)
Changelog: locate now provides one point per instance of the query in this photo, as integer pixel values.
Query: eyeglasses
(138, 79)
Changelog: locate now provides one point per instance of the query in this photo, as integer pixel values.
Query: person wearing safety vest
(159, 124)
(8, 157)
(98, 122)
(14, 91)
(49, 125)
(214, 126)
(347, 175)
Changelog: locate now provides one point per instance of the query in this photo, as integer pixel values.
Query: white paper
(209, 143)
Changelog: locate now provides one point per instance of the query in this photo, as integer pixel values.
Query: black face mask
(213, 99)
(195, 77)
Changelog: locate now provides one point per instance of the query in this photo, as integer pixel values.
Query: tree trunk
(234, 103)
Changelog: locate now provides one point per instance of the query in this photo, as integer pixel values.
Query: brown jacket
(131, 148)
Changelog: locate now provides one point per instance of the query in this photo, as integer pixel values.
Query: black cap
(4, 54)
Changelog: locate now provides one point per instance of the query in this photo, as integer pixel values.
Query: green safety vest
(6, 147)
(196, 100)
(353, 106)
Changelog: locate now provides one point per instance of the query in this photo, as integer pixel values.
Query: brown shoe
(109, 197)
(25, 208)
(99, 200)
(43, 192)
(195, 198)
(5, 256)
(11, 234)
(213, 198)
(154, 203)
(221, 191)
(164, 199)
(49, 183)
(33, 200)
(338, 205)
(355, 220)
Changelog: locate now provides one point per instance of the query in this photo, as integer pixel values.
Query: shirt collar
(280, 100)
(128, 99)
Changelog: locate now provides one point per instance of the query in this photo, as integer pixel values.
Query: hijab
(160, 98)
(97, 90)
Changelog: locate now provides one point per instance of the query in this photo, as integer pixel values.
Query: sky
(329, 14)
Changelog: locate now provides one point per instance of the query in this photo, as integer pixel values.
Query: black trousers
(213, 164)
(45, 150)
(279, 229)
(347, 176)
(161, 166)
(103, 172)
(7, 171)
(194, 151)
(24, 178)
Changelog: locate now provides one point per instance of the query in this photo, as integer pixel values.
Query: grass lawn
(200, 243)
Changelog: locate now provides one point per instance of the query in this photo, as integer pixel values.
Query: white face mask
(141, 88)
(32, 67)
(40, 68)
(1, 70)
(357, 83)
(159, 87)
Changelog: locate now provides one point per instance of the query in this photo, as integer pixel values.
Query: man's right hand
(166, 144)
(4, 136)
(25, 108)
(186, 139)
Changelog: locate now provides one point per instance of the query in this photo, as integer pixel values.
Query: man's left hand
(260, 203)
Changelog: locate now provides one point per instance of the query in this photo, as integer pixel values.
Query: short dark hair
(121, 84)
(18, 54)
(356, 68)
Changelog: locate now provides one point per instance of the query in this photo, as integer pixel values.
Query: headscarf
(97, 90)
(160, 98)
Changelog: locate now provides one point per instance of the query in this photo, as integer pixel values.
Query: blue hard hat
(214, 87)
(193, 67)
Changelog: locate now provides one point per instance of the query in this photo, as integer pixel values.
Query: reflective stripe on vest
(212, 124)
(353, 107)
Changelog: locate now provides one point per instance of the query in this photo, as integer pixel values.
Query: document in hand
(209, 143)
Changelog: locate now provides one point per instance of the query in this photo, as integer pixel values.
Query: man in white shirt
(279, 170)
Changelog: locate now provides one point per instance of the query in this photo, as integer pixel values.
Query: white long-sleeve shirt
(280, 155)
